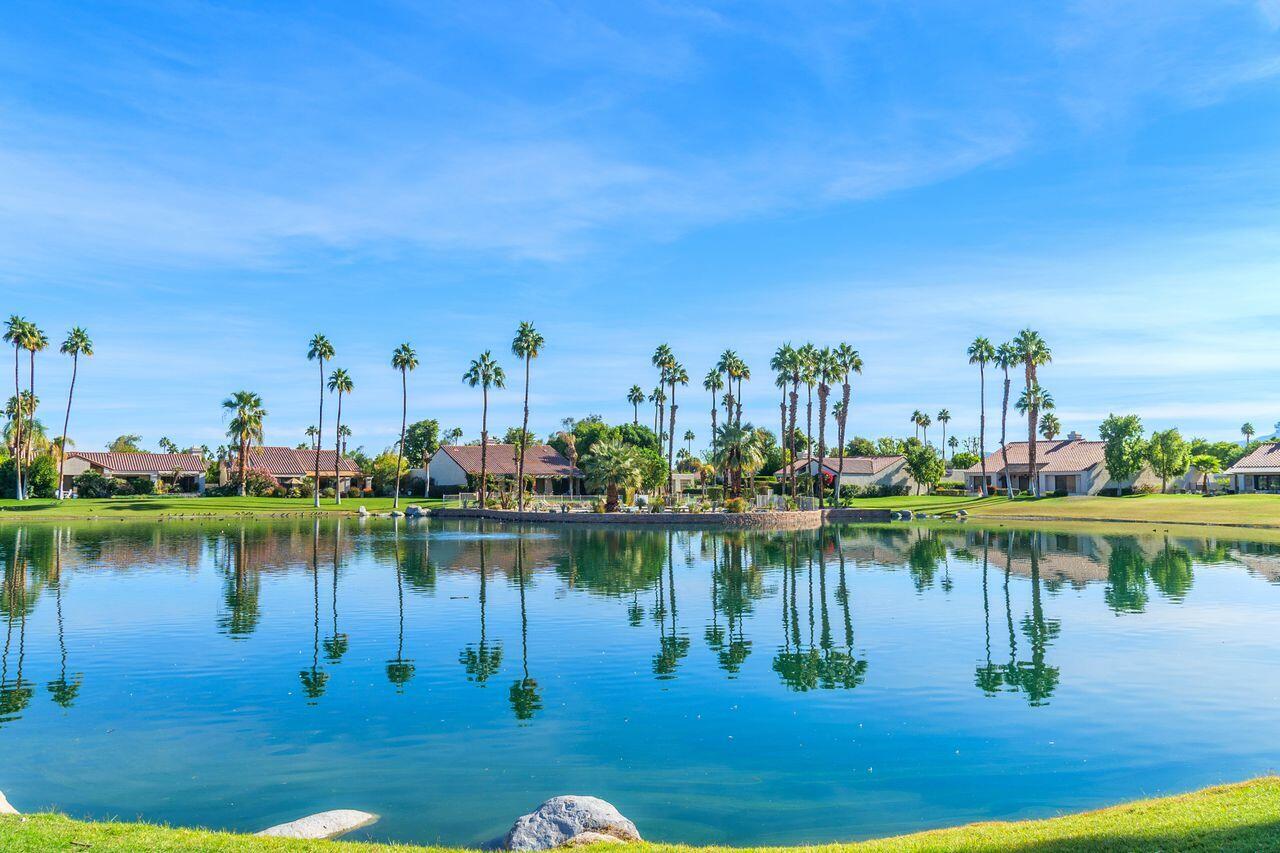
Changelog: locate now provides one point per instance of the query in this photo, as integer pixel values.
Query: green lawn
(1243, 817)
(158, 506)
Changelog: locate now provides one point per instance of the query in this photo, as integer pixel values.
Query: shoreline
(1240, 816)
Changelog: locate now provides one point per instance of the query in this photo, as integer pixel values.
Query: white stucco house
(1258, 470)
(183, 472)
(1070, 465)
(857, 471)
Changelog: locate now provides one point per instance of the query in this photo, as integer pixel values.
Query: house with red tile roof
(1070, 465)
(183, 472)
(290, 466)
(1258, 470)
(454, 467)
(858, 471)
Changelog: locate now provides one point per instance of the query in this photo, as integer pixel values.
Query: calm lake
(716, 686)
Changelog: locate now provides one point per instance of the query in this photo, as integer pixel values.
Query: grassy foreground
(1241, 510)
(1241, 817)
(158, 506)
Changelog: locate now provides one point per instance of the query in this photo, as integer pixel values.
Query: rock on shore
(328, 824)
(563, 819)
(5, 808)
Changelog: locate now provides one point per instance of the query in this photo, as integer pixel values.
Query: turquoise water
(717, 687)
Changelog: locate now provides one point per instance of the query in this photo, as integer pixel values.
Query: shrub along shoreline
(1239, 817)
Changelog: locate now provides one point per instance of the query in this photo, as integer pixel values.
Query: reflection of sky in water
(717, 686)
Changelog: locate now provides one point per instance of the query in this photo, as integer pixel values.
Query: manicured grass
(1243, 817)
(159, 505)
(1261, 510)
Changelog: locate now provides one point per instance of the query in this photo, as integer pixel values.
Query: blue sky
(203, 186)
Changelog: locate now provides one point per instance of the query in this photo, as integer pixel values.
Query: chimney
(1074, 436)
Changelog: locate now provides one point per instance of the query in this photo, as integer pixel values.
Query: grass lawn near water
(1233, 818)
(155, 506)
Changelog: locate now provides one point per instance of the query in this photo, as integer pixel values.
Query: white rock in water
(413, 511)
(562, 819)
(323, 825)
(362, 510)
(5, 808)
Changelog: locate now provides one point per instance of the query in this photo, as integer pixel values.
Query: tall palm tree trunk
(484, 447)
(17, 414)
(782, 429)
(791, 436)
(823, 391)
(66, 421)
(337, 454)
(635, 414)
(844, 419)
(808, 439)
(31, 418)
(1004, 449)
(671, 448)
(244, 460)
(319, 434)
(982, 424)
(739, 401)
(1033, 414)
(524, 437)
(404, 414)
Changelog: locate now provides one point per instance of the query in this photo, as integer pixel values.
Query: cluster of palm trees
(1029, 350)
(812, 367)
(22, 334)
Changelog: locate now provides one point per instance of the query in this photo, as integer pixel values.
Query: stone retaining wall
(798, 520)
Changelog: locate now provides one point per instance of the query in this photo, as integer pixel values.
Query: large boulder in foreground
(328, 824)
(562, 819)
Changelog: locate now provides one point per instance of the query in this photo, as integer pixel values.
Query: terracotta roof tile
(1264, 456)
(540, 460)
(143, 463)
(862, 465)
(292, 462)
(1065, 456)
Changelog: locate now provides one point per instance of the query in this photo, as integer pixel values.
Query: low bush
(735, 505)
(41, 478)
(1145, 489)
(327, 492)
(91, 484)
(142, 486)
(354, 493)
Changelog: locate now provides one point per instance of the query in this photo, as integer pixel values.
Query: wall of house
(445, 473)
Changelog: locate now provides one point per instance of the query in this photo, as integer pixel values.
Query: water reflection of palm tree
(61, 690)
(1037, 679)
(989, 677)
(820, 664)
(15, 694)
(336, 645)
(481, 661)
(399, 669)
(315, 678)
(240, 593)
(672, 647)
(524, 695)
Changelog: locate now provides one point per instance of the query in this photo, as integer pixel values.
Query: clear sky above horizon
(204, 186)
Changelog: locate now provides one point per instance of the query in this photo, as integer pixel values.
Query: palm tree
(527, 345)
(726, 366)
(796, 367)
(916, 417)
(403, 359)
(635, 397)
(487, 373)
(1033, 352)
(740, 372)
(1248, 432)
(943, 417)
(76, 345)
(849, 361)
(339, 382)
(1006, 357)
(245, 426)
(320, 350)
(827, 370)
(980, 352)
(33, 341)
(15, 333)
(676, 375)
(780, 364)
(954, 444)
(689, 438)
(925, 423)
(452, 436)
(658, 397)
(313, 434)
(1035, 397)
(737, 449)
(1050, 426)
(712, 383)
(344, 433)
(612, 465)
(808, 355)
